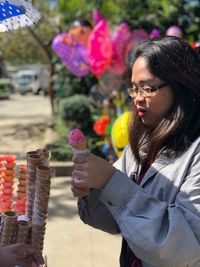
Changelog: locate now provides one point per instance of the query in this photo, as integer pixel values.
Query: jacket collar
(157, 165)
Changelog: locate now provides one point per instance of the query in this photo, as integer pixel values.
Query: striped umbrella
(15, 14)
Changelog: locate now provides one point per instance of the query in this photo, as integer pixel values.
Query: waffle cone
(80, 146)
(23, 232)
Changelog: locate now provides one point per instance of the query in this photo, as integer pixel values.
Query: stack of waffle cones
(38, 190)
(40, 209)
(8, 163)
(46, 155)
(21, 192)
(33, 160)
(27, 224)
(23, 230)
(9, 228)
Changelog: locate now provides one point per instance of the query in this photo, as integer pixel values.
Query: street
(23, 123)
(24, 109)
(68, 241)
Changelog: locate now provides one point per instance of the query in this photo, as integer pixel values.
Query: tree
(146, 14)
(33, 45)
(19, 47)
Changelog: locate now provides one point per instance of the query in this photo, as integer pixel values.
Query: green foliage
(3, 87)
(146, 14)
(60, 127)
(69, 84)
(19, 47)
(60, 150)
(75, 108)
(77, 111)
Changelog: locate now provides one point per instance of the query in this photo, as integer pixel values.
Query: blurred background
(36, 67)
(72, 69)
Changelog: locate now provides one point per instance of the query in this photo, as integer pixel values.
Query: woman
(152, 193)
(20, 255)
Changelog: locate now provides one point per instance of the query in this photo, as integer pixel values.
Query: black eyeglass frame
(157, 87)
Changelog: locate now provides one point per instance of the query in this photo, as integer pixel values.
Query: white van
(34, 81)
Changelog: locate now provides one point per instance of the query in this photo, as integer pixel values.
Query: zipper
(134, 175)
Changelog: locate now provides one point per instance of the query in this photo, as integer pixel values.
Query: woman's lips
(141, 111)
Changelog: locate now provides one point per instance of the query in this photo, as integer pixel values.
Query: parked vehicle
(34, 81)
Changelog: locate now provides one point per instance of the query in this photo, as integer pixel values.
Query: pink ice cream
(75, 137)
(77, 140)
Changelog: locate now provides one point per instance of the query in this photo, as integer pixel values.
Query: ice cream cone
(22, 168)
(77, 142)
(35, 160)
(9, 230)
(37, 235)
(22, 175)
(21, 194)
(22, 183)
(80, 146)
(43, 171)
(23, 229)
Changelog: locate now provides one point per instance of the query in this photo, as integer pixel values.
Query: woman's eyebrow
(143, 81)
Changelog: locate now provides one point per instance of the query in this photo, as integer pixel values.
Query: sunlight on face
(150, 109)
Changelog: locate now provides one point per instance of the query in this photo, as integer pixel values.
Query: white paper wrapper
(22, 218)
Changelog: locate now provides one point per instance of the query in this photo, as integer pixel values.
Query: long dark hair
(174, 61)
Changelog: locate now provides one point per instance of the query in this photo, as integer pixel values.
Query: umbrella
(16, 14)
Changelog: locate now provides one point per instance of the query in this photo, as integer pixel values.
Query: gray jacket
(160, 219)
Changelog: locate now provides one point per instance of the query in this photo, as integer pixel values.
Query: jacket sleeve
(93, 212)
(158, 233)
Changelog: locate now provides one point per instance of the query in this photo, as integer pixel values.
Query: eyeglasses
(144, 91)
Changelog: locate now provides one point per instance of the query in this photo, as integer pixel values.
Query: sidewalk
(68, 241)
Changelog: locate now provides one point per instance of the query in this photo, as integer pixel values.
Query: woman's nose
(139, 98)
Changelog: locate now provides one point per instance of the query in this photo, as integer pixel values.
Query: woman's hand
(83, 192)
(90, 171)
(20, 255)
